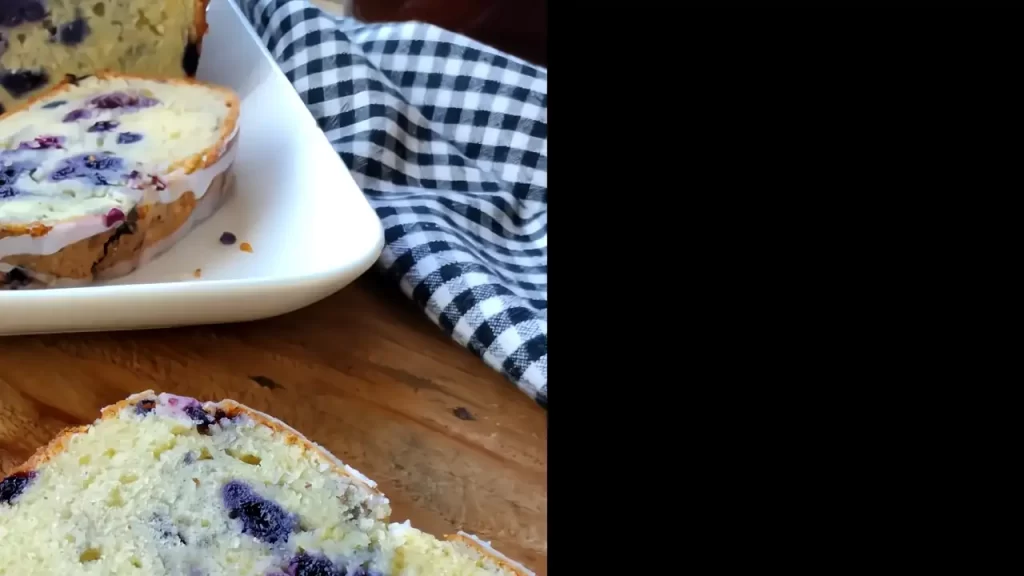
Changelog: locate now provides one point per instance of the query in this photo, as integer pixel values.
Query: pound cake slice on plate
(103, 173)
(43, 40)
(165, 485)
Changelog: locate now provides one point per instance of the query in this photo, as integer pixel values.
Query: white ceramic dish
(310, 227)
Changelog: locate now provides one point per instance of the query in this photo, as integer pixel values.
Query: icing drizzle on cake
(100, 146)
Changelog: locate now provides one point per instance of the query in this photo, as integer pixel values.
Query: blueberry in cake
(101, 174)
(165, 485)
(41, 41)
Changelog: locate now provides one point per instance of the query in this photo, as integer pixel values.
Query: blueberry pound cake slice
(43, 40)
(165, 485)
(103, 173)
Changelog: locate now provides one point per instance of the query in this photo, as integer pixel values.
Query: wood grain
(451, 442)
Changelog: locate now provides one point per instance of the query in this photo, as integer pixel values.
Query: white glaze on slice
(175, 121)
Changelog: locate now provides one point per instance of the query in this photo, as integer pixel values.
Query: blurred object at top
(518, 27)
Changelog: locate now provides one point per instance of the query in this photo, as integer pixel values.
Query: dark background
(518, 27)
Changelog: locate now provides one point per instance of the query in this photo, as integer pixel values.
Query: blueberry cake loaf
(163, 485)
(41, 41)
(101, 174)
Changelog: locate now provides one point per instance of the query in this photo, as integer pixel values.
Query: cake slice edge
(198, 161)
(62, 250)
(231, 408)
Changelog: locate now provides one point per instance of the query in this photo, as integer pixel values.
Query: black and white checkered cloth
(447, 138)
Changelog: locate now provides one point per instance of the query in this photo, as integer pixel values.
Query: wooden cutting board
(452, 443)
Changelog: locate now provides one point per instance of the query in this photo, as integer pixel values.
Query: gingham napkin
(447, 138)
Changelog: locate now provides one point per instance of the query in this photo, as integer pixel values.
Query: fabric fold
(447, 138)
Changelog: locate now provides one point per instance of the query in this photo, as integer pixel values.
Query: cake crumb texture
(164, 485)
(100, 172)
(41, 41)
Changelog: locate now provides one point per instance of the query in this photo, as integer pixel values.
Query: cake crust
(232, 409)
(200, 27)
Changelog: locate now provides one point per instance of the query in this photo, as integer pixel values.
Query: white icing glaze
(58, 237)
(181, 121)
(67, 233)
(487, 546)
(173, 406)
(211, 201)
(178, 183)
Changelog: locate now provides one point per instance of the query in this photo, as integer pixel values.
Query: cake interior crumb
(245, 247)
(198, 272)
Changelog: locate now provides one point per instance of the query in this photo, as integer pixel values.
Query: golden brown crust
(156, 222)
(491, 554)
(35, 230)
(89, 258)
(60, 441)
(73, 261)
(54, 447)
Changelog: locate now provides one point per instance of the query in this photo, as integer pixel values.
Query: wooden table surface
(451, 442)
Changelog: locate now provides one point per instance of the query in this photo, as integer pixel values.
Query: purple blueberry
(21, 82)
(122, 100)
(99, 169)
(144, 407)
(32, 10)
(10, 174)
(73, 32)
(227, 238)
(102, 162)
(306, 565)
(128, 137)
(260, 518)
(103, 126)
(14, 12)
(78, 114)
(113, 217)
(14, 171)
(54, 104)
(63, 173)
(199, 416)
(43, 143)
(12, 486)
